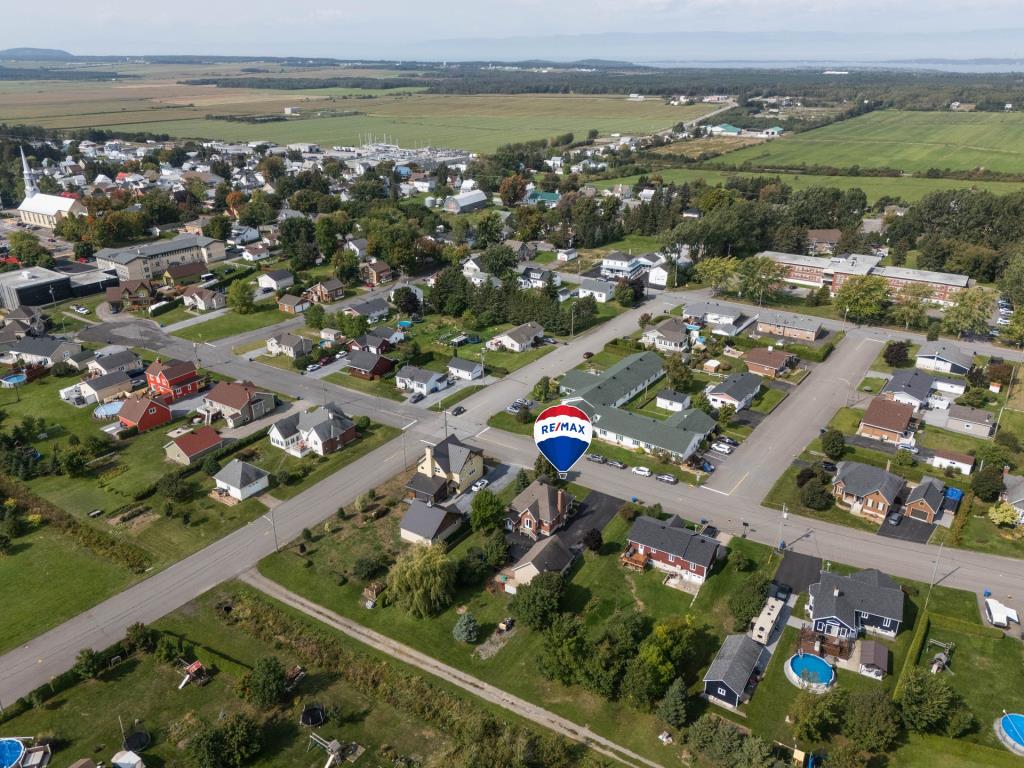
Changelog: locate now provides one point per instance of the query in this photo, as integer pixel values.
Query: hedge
(913, 652)
(239, 274)
(166, 307)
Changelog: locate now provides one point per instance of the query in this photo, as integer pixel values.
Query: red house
(539, 510)
(172, 380)
(671, 547)
(143, 413)
(366, 365)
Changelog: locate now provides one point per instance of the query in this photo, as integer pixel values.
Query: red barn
(143, 413)
(173, 379)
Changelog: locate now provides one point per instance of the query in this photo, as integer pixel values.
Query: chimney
(430, 455)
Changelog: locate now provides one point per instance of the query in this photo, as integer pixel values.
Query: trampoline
(313, 716)
(11, 752)
(108, 410)
(13, 380)
(1010, 730)
(136, 741)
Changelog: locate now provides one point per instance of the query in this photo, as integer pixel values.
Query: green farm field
(910, 141)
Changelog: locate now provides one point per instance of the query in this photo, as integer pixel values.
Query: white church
(44, 210)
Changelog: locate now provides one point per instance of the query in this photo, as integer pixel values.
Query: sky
(636, 30)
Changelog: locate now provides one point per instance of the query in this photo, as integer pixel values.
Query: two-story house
(171, 380)
(459, 464)
(321, 431)
(539, 510)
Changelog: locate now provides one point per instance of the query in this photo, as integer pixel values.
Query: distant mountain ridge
(35, 54)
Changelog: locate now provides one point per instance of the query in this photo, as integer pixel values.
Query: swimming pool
(14, 380)
(809, 671)
(11, 752)
(108, 410)
(1010, 729)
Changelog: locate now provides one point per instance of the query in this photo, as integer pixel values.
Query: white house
(670, 400)
(321, 431)
(534, 277)
(275, 280)
(243, 235)
(241, 480)
(738, 390)
(671, 336)
(517, 339)
(289, 344)
(943, 358)
(461, 368)
(203, 299)
(421, 380)
(943, 459)
(622, 266)
(601, 290)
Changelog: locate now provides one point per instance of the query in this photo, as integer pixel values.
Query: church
(42, 210)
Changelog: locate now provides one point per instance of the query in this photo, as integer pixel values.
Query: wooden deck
(633, 560)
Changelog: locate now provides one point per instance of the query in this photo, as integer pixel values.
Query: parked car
(642, 471)
(415, 397)
(728, 441)
(340, 355)
(706, 466)
(894, 518)
(597, 458)
(458, 410)
(480, 484)
(587, 355)
(667, 478)
(908, 448)
(782, 592)
(513, 409)
(829, 466)
(615, 463)
(313, 367)
(721, 447)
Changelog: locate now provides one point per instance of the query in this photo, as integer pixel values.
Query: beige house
(459, 464)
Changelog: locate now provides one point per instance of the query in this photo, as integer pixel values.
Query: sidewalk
(193, 320)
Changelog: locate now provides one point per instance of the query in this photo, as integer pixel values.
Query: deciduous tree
(971, 313)
(536, 604)
(486, 511)
(716, 272)
(422, 581)
(240, 298)
(863, 297)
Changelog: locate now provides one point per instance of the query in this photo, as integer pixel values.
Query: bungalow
(769, 362)
(123, 361)
(80, 360)
(847, 606)
(536, 277)
(925, 500)
(867, 490)
(738, 390)
(427, 524)
(255, 252)
(326, 291)
(888, 421)
(188, 448)
(374, 310)
(290, 345)
(322, 431)
(238, 402)
(517, 339)
(1013, 492)
(183, 274)
(602, 290)
(43, 350)
(670, 400)
(944, 358)
(945, 459)
(539, 510)
(671, 547)
(459, 464)
(172, 380)
(461, 368)
(366, 365)
(670, 336)
(375, 273)
(970, 421)
(331, 336)
(734, 671)
(240, 480)
(912, 387)
(549, 555)
(143, 413)
(105, 387)
(720, 319)
(524, 251)
(800, 327)
(293, 305)
(203, 299)
(275, 280)
(420, 380)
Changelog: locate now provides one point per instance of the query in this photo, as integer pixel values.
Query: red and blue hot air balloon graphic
(562, 434)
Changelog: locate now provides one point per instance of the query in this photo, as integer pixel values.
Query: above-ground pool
(14, 380)
(11, 752)
(1010, 730)
(108, 410)
(405, 324)
(809, 671)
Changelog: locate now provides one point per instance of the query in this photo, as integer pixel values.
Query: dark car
(829, 466)
(597, 458)
(783, 591)
(458, 410)
(616, 464)
(415, 397)
(587, 355)
(728, 441)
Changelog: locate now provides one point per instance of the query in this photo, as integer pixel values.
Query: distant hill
(35, 54)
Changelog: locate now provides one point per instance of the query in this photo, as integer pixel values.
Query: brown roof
(186, 270)
(965, 458)
(888, 414)
(770, 358)
(825, 235)
(378, 267)
(134, 408)
(203, 439)
(233, 394)
(172, 369)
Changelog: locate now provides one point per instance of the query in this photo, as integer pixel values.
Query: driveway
(909, 529)
(798, 571)
(497, 479)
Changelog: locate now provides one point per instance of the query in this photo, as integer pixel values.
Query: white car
(480, 484)
(642, 471)
(722, 448)
(80, 309)
(313, 367)
(1003, 321)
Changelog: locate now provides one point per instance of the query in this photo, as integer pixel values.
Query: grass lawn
(872, 385)
(232, 323)
(176, 315)
(981, 534)
(879, 363)
(435, 331)
(274, 460)
(509, 423)
(379, 388)
(457, 397)
(278, 361)
(785, 492)
(768, 400)
(545, 257)
(847, 420)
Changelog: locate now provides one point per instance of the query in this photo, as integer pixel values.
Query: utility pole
(931, 581)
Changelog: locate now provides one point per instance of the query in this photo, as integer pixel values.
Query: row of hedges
(238, 274)
(166, 307)
(913, 652)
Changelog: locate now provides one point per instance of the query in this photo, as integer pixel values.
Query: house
(925, 500)
(29, 321)
(459, 464)
(734, 671)
(945, 459)
(670, 400)
(237, 402)
(549, 555)
(326, 291)
(800, 327)
(289, 344)
(172, 380)
(943, 358)
(243, 235)
(1013, 492)
(183, 274)
(322, 431)
(821, 241)
(671, 547)
(43, 350)
(888, 421)
(275, 280)
(539, 510)
(536, 277)
(912, 387)
(376, 340)
(970, 421)
(80, 360)
(331, 337)
(374, 310)
(193, 446)
(240, 480)
(670, 336)
(358, 246)
(427, 524)
(420, 380)
(737, 390)
(720, 319)
(366, 365)
(603, 291)
(143, 413)
(256, 252)
(465, 201)
(867, 490)
(202, 299)
(461, 368)
(105, 387)
(375, 273)
(769, 362)
(617, 265)
(847, 606)
(293, 305)
(517, 339)
(131, 295)
(566, 254)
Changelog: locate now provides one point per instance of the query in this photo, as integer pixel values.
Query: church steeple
(30, 179)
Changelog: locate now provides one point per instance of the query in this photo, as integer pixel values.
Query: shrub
(593, 540)
(370, 566)
(805, 474)
(362, 423)
(264, 686)
(88, 663)
(466, 629)
(815, 495)
(987, 483)
(833, 444)
(747, 601)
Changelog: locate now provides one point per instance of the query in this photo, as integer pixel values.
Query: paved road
(449, 674)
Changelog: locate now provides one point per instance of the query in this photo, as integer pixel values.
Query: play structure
(195, 673)
(336, 751)
(940, 661)
(293, 676)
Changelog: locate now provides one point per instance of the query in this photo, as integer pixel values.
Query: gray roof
(462, 364)
(117, 378)
(967, 413)
(278, 274)
(674, 397)
(290, 301)
(151, 250)
(374, 306)
(929, 490)
(595, 285)
(421, 375)
(362, 361)
(863, 479)
(616, 381)
(923, 275)
(913, 382)
(735, 662)
(292, 341)
(1014, 492)
(525, 333)
(428, 484)
(548, 554)
(670, 536)
(40, 346)
(117, 359)
(800, 322)
(452, 454)
(327, 421)
(869, 591)
(680, 433)
(942, 351)
(674, 329)
(738, 386)
(239, 474)
(540, 499)
(426, 520)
